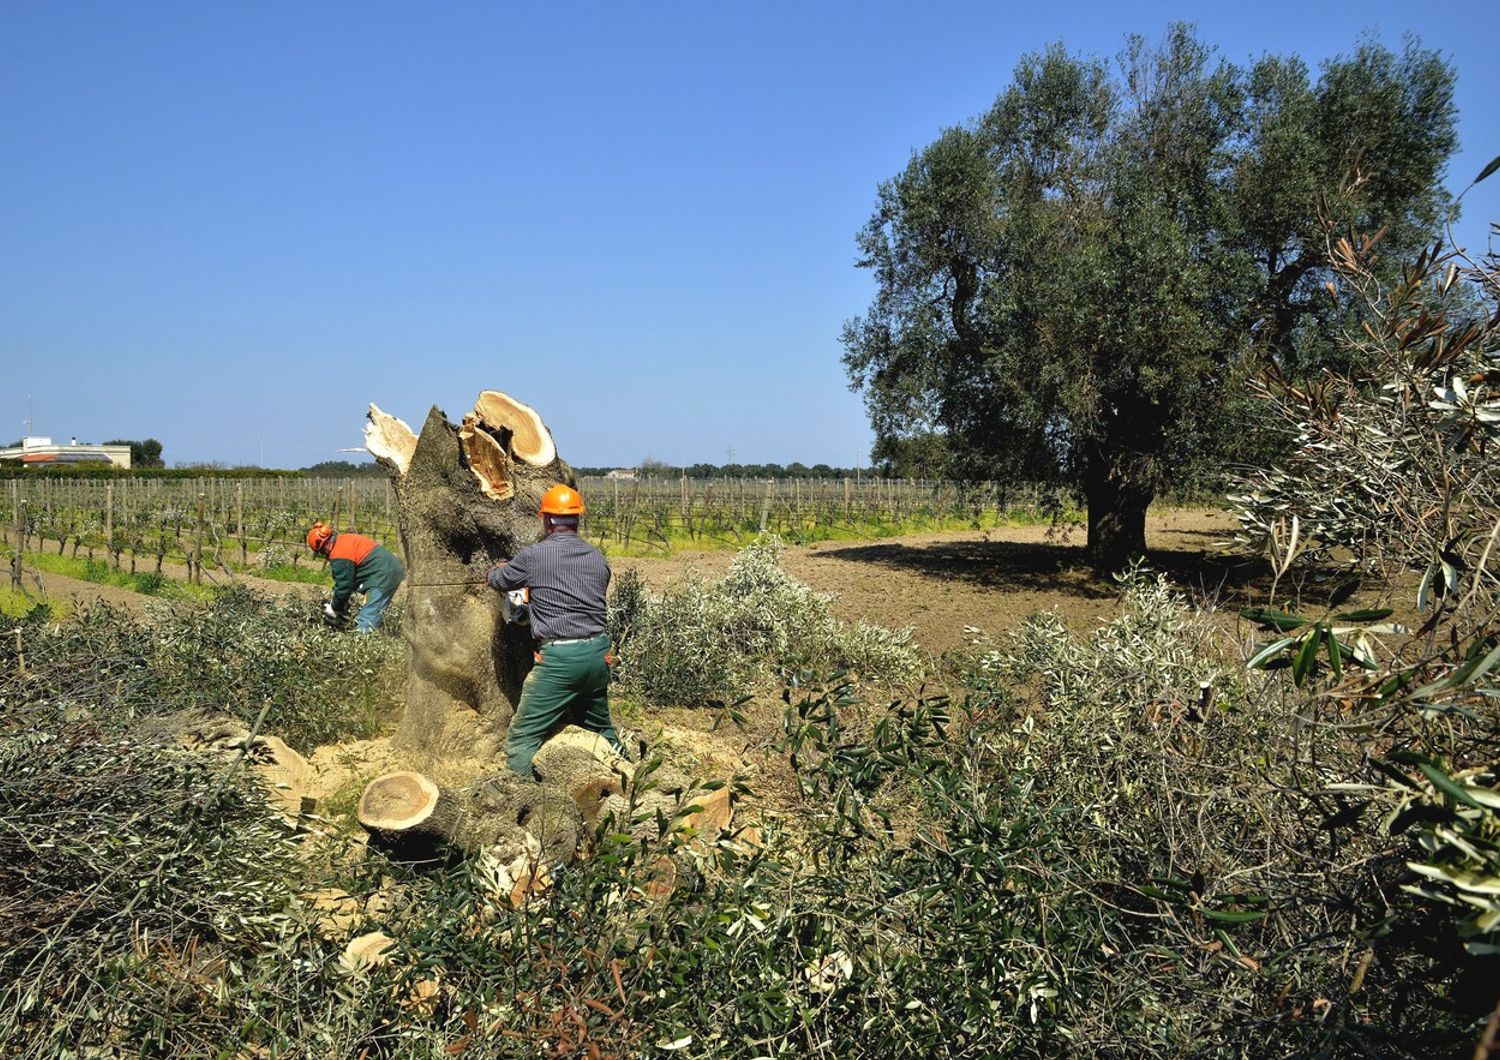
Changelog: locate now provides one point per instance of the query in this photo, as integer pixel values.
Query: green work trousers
(569, 683)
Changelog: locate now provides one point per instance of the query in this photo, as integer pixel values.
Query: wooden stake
(198, 544)
(109, 522)
(15, 561)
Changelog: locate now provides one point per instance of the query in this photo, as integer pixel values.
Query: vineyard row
(240, 517)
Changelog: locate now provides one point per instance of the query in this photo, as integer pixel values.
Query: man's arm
(507, 576)
(343, 582)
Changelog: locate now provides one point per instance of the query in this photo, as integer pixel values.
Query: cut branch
(389, 440)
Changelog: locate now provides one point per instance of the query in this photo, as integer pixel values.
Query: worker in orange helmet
(566, 578)
(359, 564)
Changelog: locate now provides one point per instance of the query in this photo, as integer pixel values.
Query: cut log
(466, 499)
(400, 802)
(368, 951)
(408, 817)
(411, 818)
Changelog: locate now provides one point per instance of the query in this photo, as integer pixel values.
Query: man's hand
(331, 615)
(492, 576)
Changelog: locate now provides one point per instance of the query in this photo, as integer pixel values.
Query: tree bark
(1117, 519)
(467, 497)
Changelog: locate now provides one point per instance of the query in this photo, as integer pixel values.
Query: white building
(40, 452)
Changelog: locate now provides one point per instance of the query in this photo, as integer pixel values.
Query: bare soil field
(938, 583)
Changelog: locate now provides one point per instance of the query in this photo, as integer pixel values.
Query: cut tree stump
(467, 497)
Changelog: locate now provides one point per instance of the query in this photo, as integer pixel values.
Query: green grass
(98, 571)
(285, 572)
(18, 604)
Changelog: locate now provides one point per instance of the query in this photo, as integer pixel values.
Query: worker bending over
(566, 578)
(359, 565)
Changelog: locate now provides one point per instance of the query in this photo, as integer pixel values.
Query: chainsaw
(515, 606)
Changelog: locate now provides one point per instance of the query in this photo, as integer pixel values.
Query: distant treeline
(651, 469)
(15, 469)
(348, 469)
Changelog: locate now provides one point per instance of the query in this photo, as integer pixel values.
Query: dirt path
(938, 583)
(77, 590)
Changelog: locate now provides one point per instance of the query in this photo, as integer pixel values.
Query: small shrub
(711, 641)
(272, 556)
(152, 584)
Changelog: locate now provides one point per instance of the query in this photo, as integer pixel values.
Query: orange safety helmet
(561, 500)
(319, 536)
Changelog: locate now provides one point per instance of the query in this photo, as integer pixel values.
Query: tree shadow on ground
(1059, 567)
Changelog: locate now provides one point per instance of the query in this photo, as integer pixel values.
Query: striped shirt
(567, 577)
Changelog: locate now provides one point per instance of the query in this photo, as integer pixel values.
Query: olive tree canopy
(1071, 288)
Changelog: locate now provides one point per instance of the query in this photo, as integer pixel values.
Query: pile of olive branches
(242, 653)
(1391, 471)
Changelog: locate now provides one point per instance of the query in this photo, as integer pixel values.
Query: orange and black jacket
(359, 565)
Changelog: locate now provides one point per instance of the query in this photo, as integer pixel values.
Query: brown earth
(938, 583)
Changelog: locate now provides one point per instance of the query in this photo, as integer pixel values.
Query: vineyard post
(387, 522)
(338, 503)
(353, 518)
(197, 571)
(765, 506)
(635, 498)
(239, 520)
(109, 522)
(19, 506)
(687, 509)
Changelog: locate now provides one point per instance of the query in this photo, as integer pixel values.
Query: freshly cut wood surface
(486, 459)
(397, 802)
(530, 440)
(389, 439)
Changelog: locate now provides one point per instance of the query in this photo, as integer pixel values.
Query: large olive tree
(1072, 288)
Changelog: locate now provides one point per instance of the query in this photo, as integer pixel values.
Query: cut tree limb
(413, 818)
(486, 459)
(389, 440)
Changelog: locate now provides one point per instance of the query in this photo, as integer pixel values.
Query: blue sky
(230, 226)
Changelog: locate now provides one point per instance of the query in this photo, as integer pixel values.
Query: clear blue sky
(232, 225)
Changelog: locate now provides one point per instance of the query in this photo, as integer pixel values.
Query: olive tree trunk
(1117, 520)
(467, 497)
